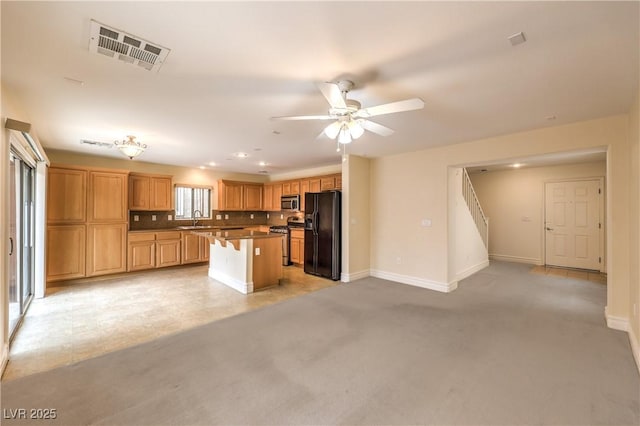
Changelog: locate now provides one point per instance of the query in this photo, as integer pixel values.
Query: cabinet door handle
(10, 246)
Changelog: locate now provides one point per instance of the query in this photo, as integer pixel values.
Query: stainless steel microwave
(290, 202)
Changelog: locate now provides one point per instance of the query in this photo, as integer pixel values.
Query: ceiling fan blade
(400, 106)
(332, 93)
(304, 117)
(376, 128)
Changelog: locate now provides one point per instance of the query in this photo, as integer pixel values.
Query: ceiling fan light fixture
(344, 136)
(130, 147)
(332, 130)
(355, 129)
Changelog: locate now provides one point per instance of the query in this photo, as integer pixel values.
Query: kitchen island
(244, 260)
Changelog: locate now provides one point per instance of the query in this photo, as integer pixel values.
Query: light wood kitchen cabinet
(141, 251)
(304, 188)
(194, 248)
(66, 252)
(291, 188)
(106, 248)
(315, 185)
(167, 253)
(339, 181)
(161, 198)
(296, 248)
(230, 195)
(272, 193)
(66, 195)
(327, 183)
(150, 192)
(107, 197)
(240, 196)
(252, 197)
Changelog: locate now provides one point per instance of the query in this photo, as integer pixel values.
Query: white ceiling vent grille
(126, 47)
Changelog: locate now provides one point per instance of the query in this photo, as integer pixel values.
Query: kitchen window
(191, 199)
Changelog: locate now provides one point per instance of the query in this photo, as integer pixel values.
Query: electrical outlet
(136, 218)
(153, 217)
(426, 223)
(281, 216)
(267, 215)
(257, 251)
(169, 217)
(218, 217)
(251, 215)
(226, 216)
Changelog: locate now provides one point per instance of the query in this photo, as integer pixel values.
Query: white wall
(406, 188)
(355, 218)
(514, 201)
(467, 252)
(634, 240)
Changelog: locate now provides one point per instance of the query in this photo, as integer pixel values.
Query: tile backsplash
(145, 219)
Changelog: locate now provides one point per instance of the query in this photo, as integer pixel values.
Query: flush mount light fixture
(130, 147)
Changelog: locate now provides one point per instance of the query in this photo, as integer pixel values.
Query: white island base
(245, 260)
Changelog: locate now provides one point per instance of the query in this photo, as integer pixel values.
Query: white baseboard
(616, 323)
(472, 270)
(235, 284)
(517, 259)
(346, 278)
(635, 347)
(5, 358)
(415, 281)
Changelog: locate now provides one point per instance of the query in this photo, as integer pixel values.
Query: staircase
(482, 222)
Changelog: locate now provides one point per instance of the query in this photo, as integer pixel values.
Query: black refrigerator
(322, 234)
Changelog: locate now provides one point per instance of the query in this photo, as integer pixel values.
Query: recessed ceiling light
(212, 164)
(240, 154)
(262, 164)
(516, 165)
(201, 167)
(517, 38)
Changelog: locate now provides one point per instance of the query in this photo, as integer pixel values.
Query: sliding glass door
(21, 235)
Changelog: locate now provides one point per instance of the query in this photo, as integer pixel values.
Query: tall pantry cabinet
(86, 222)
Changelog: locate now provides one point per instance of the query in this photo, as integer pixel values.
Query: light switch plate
(153, 217)
(136, 218)
(426, 223)
(281, 216)
(218, 216)
(170, 217)
(251, 215)
(226, 216)
(257, 251)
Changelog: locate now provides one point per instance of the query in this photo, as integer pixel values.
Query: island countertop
(235, 234)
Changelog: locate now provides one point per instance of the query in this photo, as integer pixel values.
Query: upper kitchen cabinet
(272, 193)
(239, 195)
(291, 188)
(107, 197)
(66, 195)
(150, 192)
(252, 197)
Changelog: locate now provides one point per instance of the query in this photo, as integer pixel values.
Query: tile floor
(579, 274)
(85, 320)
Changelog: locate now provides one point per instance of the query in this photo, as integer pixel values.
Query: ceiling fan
(351, 120)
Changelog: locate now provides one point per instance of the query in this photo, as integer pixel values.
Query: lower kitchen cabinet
(167, 253)
(194, 248)
(66, 252)
(148, 250)
(106, 248)
(296, 248)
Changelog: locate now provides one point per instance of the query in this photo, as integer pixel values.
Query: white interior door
(572, 224)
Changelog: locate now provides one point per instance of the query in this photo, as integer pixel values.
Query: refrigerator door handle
(315, 223)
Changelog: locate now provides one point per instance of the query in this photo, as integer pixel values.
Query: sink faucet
(195, 216)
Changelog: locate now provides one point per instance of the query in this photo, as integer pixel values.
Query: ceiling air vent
(126, 47)
(96, 143)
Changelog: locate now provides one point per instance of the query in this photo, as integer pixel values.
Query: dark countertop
(192, 228)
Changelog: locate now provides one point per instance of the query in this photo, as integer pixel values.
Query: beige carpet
(507, 347)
